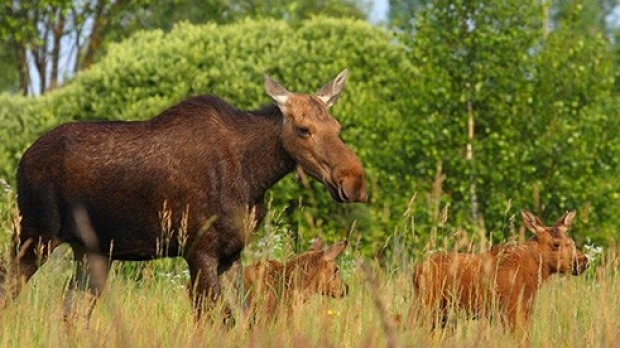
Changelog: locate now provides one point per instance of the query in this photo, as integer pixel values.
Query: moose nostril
(352, 189)
(342, 191)
(363, 195)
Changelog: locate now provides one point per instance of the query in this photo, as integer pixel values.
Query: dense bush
(542, 141)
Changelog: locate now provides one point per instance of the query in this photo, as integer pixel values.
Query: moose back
(189, 182)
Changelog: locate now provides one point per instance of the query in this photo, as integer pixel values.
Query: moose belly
(123, 234)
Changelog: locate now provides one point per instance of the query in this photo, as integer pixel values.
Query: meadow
(469, 104)
(146, 305)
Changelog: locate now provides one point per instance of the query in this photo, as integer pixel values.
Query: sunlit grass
(149, 307)
(155, 312)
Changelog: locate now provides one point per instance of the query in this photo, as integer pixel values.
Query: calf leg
(90, 276)
(517, 317)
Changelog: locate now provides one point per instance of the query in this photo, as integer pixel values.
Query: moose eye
(303, 132)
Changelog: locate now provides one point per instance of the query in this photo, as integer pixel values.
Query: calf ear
(333, 251)
(278, 93)
(317, 244)
(329, 93)
(565, 221)
(532, 222)
(255, 273)
(250, 274)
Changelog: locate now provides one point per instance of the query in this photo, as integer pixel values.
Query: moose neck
(543, 268)
(526, 257)
(263, 157)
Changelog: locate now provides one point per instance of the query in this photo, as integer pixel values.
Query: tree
(52, 35)
(60, 37)
(9, 78)
(497, 95)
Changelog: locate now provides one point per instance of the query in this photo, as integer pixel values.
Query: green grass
(155, 312)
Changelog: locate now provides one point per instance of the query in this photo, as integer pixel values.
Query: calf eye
(303, 132)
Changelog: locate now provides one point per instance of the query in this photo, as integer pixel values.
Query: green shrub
(404, 112)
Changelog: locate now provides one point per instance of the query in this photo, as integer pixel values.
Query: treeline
(462, 117)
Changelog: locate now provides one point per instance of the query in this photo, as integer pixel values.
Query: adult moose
(105, 187)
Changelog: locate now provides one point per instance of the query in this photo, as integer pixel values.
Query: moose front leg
(205, 291)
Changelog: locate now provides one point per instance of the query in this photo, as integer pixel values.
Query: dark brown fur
(271, 285)
(189, 182)
(508, 275)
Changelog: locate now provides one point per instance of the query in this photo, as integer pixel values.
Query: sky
(379, 11)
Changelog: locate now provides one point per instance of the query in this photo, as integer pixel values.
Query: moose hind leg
(89, 279)
(27, 255)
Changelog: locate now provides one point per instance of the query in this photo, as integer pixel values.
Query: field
(148, 307)
(478, 108)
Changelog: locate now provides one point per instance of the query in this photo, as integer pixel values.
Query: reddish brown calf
(272, 284)
(508, 276)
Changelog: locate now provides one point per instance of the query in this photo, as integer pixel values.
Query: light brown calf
(507, 276)
(270, 284)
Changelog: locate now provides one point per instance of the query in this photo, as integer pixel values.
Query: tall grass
(149, 307)
(570, 312)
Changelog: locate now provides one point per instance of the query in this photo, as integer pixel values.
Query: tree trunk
(94, 41)
(57, 33)
(470, 159)
(22, 67)
(102, 19)
(40, 57)
(78, 34)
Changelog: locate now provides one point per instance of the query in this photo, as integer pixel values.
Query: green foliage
(544, 113)
(8, 63)
(536, 104)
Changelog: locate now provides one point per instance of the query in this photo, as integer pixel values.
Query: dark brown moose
(508, 275)
(271, 285)
(189, 182)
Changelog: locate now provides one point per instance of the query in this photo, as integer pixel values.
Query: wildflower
(593, 252)
(332, 313)
(5, 185)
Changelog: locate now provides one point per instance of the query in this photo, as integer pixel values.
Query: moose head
(311, 136)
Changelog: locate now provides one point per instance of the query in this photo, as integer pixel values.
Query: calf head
(555, 244)
(325, 277)
(311, 137)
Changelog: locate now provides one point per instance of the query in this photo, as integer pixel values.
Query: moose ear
(329, 93)
(317, 244)
(333, 251)
(565, 221)
(532, 222)
(278, 93)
